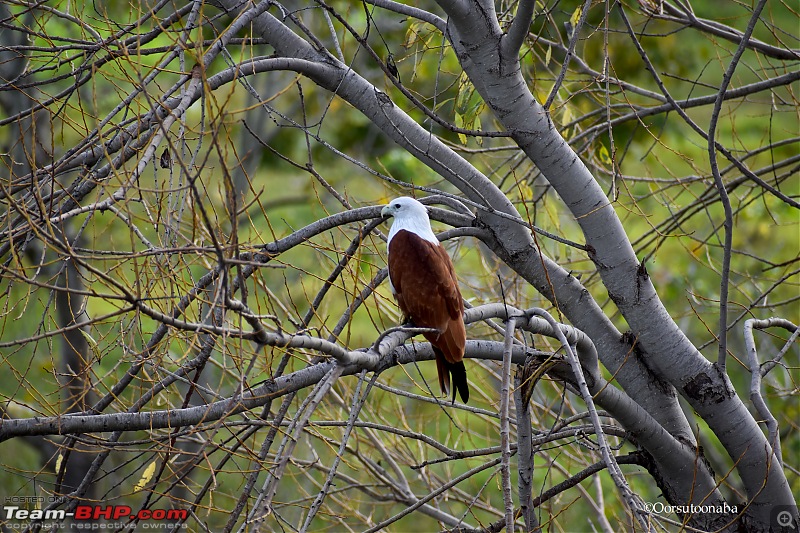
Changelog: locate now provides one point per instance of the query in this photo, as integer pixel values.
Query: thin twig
(723, 192)
(355, 409)
(570, 50)
(263, 504)
(632, 501)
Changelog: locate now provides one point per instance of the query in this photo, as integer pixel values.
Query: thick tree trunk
(660, 342)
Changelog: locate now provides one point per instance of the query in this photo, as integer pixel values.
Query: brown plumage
(424, 282)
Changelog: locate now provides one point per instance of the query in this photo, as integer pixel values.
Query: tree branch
(757, 371)
(723, 193)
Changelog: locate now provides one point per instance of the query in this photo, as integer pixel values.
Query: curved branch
(757, 372)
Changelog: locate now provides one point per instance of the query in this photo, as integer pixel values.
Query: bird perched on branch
(423, 280)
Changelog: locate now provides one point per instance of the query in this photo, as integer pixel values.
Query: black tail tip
(458, 374)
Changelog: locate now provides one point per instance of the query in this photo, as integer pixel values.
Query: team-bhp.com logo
(94, 513)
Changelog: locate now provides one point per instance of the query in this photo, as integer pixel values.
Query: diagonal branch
(518, 31)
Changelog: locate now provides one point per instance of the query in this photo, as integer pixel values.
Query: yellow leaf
(576, 16)
(460, 124)
(146, 477)
(603, 155)
(548, 55)
(411, 35)
(58, 462)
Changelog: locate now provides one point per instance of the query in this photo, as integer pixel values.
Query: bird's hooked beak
(386, 212)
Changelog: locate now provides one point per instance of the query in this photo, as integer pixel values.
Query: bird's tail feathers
(459, 374)
(442, 370)
(447, 370)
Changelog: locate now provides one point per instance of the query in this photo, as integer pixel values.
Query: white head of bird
(409, 215)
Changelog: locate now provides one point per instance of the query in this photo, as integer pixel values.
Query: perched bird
(423, 280)
(391, 66)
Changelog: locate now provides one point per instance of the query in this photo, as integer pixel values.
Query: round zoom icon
(785, 519)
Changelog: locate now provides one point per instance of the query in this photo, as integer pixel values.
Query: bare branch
(757, 371)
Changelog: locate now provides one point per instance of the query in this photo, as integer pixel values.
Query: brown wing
(424, 281)
(450, 291)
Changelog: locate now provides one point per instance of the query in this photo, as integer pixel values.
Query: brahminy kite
(422, 278)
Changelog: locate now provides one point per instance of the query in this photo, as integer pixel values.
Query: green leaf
(566, 116)
(92, 343)
(465, 90)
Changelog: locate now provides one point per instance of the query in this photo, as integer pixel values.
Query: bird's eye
(397, 206)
